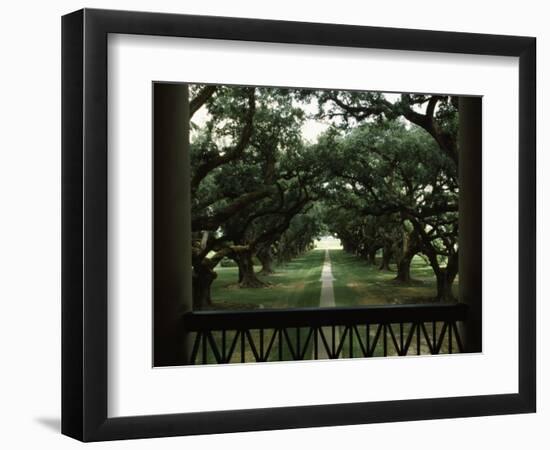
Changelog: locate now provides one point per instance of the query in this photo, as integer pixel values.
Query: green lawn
(357, 283)
(293, 285)
(297, 284)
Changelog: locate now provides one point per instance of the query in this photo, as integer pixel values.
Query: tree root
(253, 283)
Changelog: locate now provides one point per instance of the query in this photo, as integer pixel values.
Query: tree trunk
(386, 257)
(247, 277)
(371, 256)
(408, 251)
(444, 287)
(404, 268)
(203, 277)
(266, 258)
(445, 278)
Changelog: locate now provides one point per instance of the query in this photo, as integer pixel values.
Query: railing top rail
(308, 317)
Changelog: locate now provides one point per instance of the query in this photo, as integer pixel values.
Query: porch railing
(221, 337)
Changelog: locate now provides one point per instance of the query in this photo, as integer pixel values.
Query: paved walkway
(327, 300)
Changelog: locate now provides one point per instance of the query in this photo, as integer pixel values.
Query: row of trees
(383, 176)
(395, 180)
(252, 188)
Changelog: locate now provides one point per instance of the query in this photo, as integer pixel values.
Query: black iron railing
(221, 337)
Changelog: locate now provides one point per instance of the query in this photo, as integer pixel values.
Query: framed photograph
(273, 224)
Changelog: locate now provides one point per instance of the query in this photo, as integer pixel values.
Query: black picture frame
(84, 224)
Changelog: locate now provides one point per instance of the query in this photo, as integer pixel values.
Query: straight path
(327, 290)
(326, 301)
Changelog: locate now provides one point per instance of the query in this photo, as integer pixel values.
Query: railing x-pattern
(221, 337)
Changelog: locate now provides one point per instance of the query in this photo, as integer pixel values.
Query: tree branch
(229, 154)
(201, 98)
